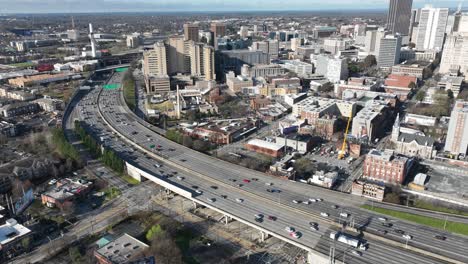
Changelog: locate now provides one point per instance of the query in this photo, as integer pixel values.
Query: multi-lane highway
(221, 185)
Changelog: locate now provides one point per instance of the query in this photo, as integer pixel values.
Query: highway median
(450, 226)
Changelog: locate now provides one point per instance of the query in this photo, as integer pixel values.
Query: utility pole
(445, 222)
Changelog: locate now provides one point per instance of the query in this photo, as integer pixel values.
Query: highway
(217, 178)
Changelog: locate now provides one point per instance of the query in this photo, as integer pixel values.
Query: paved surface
(256, 199)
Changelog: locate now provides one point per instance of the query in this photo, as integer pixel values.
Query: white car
(345, 215)
(312, 200)
(157, 165)
(314, 227)
(289, 229)
(295, 201)
(306, 202)
(357, 253)
(52, 182)
(407, 237)
(324, 214)
(268, 183)
(180, 178)
(239, 200)
(211, 200)
(199, 192)
(383, 219)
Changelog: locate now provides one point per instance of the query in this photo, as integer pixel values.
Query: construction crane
(342, 152)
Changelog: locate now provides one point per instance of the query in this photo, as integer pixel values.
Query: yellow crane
(342, 152)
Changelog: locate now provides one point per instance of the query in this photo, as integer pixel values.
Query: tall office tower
(178, 54)
(191, 32)
(208, 63)
(201, 61)
(431, 28)
(398, 17)
(456, 19)
(413, 23)
(389, 51)
(196, 59)
(255, 29)
(270, 47)
(457, 138)
(455, 55)
(218, 30)
(372, 41)
(155, 60)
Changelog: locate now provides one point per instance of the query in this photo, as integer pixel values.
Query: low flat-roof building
(122, 250)
(265, 147)
(419, 69)
(11, 236)
(453, 83)
(372, 190)
(38, 79)
(66, 191)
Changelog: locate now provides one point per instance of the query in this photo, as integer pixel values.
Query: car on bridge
(246, 180)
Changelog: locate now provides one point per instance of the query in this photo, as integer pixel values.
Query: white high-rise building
(389, 51)
(455, 54)
(431, 28)
(333, 68)
(457, 138)
(155, 60)
(372, 41)
(201, 61)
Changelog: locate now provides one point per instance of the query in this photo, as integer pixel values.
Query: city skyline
(97, 6)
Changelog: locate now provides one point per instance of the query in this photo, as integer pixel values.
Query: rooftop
(264, 144)
(11, 230)
(122, 249)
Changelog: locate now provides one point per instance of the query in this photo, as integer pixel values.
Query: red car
(246, 181)
(272, 218)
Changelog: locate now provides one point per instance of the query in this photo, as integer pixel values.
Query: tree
(326, 87)
(154, 232)
(420, 95)
(187, 141)
(412, 85)
(200, 145)
(165, 250)
(369, 61)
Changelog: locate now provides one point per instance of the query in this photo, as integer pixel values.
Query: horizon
(20, 7)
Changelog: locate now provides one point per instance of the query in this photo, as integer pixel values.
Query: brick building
(385, 166)
(265, 147)
(369, 190)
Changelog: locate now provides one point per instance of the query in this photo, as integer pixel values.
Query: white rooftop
(11, 230)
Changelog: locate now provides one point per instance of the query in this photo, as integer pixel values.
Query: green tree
(412, 85)
(153, 232)
(420, 95)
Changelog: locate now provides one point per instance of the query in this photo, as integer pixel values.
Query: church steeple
(396, 128)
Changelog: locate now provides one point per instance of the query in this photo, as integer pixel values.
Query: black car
(399, 231)
(382, 231)
(387, 224)
(259, 220)
(224, 196)
(194, 187)
(269, 190)
(440, 237)
(214, 187)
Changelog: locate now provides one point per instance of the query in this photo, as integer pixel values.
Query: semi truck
(348, 239)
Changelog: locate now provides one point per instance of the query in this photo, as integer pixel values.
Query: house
(11, 236)
(65, 192)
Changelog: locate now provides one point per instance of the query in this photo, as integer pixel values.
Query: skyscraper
(455, 55)
(201, 61)
(218, 30)
(457, 138)
(155, 60)
(431, 28)
(389, 51)
(191, 32)
(398, 17)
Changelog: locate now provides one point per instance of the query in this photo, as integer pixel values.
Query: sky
(75, 6)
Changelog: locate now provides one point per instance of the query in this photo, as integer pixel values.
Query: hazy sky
(67, 6)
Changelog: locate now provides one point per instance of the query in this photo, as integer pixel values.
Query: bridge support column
(226, 219)
(263, 236)
(194, 205)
